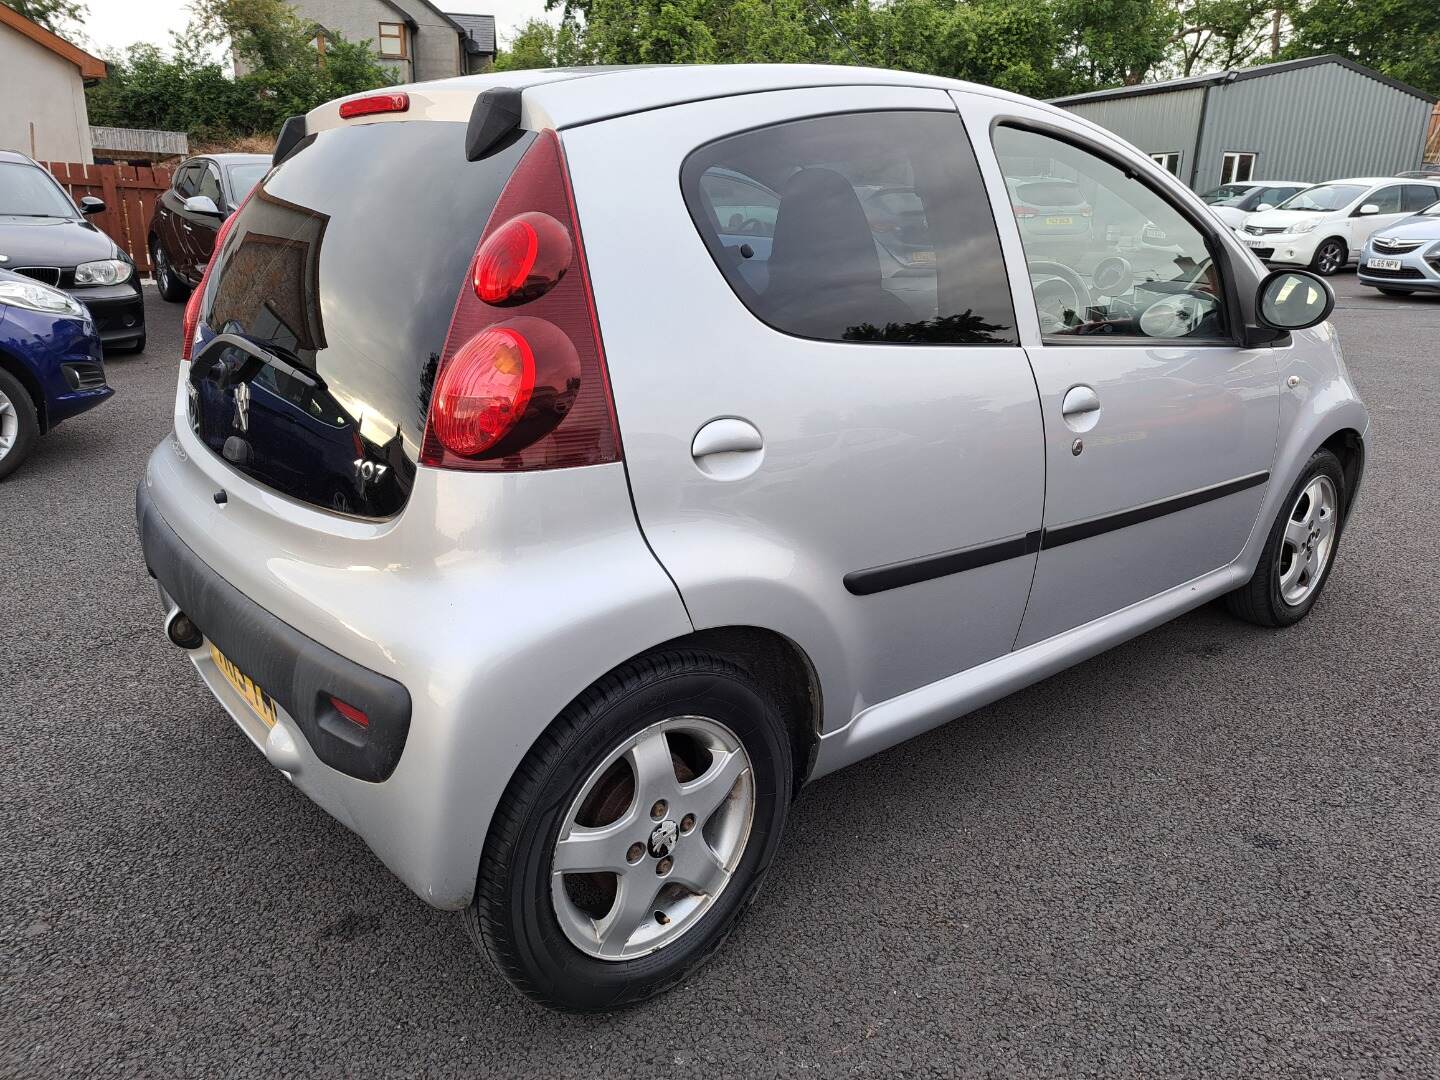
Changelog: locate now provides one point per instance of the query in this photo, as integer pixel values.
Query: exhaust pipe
(182, 632)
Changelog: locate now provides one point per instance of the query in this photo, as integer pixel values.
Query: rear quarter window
(856, 227)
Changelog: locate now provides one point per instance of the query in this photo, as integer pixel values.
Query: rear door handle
(728, 448)
(1081, 408)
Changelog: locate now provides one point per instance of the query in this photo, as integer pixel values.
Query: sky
(118, 24)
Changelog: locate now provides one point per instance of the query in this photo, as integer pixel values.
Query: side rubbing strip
(1084, 530)
(929, 567)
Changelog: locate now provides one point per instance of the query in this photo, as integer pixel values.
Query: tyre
(1395, 292)
(1299, 550)
(1330, 257)
(19, 427)
(166, 281)
(634, 833)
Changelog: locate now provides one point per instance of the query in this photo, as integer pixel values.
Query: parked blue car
(51, 365)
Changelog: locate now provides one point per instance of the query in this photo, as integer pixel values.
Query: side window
(861, 227)
(1419, 196)
(1387, 199)
(185, 181)
(210, 185)
(1106, 253)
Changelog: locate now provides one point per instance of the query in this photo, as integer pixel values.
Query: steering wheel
(1051, 303)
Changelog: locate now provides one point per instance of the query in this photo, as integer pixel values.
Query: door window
(862, 227)
(187, 180)
(1112, 256)
(1236, 166)
(209, 185)
(1387, 199)
(1418, 197)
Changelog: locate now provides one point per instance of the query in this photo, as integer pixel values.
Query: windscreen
(27, 191)
(340, 277)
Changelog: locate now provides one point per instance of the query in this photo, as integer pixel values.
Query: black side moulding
(494, 122)
(291, 132)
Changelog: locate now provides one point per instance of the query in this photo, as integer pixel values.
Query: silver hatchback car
(550, 514)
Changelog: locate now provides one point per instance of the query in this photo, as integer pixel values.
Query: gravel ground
(1212, 852)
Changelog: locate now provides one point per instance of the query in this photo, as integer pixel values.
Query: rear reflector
(350, 712)
(375, 103)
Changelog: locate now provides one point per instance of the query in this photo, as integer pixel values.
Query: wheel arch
(23, 375)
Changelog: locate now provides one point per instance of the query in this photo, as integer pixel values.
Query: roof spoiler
(291, 134)
(494, 120)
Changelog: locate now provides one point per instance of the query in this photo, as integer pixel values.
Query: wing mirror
(1291, 300)
(202, 204)
(1368, 209)
(1264, 206)
(89, 204)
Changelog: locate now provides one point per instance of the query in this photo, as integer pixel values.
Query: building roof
(1239, 75)
(479, 29)
(91, 67)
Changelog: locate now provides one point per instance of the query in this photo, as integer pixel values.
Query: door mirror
(1293, 300)
(1368, 209)
(89, 204)
(1265, 206)
(202, 204)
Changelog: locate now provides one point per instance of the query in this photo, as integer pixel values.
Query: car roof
(14, 157)
(1366, 181)
(567, 97)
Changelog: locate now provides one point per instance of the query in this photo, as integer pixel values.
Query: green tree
(57, 16)
(540, 44)
(1399, 37)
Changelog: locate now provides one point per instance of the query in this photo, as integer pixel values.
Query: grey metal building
(1320, 118)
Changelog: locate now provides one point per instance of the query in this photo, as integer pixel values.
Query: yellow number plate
(259, 701)
(1059, 221)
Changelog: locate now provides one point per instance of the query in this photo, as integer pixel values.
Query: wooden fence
(129, 192)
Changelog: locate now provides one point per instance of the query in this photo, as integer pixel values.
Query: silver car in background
(1405, 258)
(550, 507)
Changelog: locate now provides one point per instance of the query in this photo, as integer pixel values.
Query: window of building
(1108, 254)
(1236, 166)
(392, 40)
(1169, 160)
(859, 227)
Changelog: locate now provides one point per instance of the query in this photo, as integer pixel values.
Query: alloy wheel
(653, 838)
(1308, 542)
(9, 425)
(1329, 260)
(162, 267)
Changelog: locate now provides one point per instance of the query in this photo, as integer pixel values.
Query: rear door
(829, 425)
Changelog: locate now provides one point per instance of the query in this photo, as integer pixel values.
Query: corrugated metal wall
(1316, 123)
(1154, 123)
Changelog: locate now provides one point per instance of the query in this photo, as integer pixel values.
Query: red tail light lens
(522, 260)
(521, 383)
(197, 297)
(375, 103)
(484, 392)
(1023, 211)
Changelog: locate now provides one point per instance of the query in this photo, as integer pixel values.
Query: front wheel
(634, 834)
(1330, 256)
(19, 426)
(1299, 550)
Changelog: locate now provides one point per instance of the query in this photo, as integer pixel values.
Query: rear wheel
(19, 427)
(1299, 551)
(634, 834)
(1330, 256)
(169, 284)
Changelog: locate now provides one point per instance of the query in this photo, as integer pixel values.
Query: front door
(1159, 429)
(830, 427)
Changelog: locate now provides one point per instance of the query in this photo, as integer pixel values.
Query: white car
(1324, 227)
(1233, 203)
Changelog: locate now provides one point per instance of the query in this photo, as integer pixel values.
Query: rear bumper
(300, 674)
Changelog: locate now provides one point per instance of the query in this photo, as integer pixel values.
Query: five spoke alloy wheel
(9, 424)
(1309, 539)
(653, 838)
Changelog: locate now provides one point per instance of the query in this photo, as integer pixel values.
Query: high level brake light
(373, 105)
(521, 382)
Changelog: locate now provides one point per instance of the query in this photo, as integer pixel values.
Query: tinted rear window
(347, 262)
(859, 227)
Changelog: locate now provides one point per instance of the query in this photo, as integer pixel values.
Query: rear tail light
(1023, 211)
(521, 383)
(197, 296)
(373, 105)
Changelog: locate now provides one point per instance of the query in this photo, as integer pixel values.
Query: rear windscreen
(346, 263)
(1051, 193)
